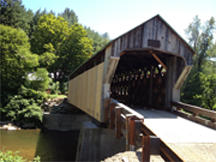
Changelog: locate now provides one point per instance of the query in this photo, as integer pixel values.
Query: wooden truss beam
(155, 56)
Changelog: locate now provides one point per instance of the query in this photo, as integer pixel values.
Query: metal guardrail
(195, 112)
(130, 124)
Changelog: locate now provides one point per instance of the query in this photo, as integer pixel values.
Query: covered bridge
(144, 67)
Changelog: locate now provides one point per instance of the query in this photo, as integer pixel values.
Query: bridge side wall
(85, 91)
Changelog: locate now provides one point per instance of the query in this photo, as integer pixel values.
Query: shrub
(39, 80)
(54, 88)
(25, 107)
(10, 156)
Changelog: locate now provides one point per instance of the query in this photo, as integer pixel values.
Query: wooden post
(127, 132)
(111, 115)
(151, 85)
(146, 144)
(106, 110)
(138, 130)
(132, 135)
(118, 111)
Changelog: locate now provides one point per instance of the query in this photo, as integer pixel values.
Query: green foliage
(39, 80)
(54, 88)
(192, 87)
(64, 88)
(57, 96)
(196, 89)
(49, 30)
(10, 156)
(200, 37)
(71, 46)
(25, 107)
(69, 16)
(14, 14)
(208, 96)
(16, 59)
(99, 41)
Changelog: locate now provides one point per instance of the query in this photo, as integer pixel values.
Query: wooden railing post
(106, 110)
(132, 135)
(118, 111)
(112, 115)
(127, 132)
(146, 144)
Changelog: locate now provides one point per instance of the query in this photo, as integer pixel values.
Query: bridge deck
(190, 140)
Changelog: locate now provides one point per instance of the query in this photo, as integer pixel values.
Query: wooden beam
(164, 66)
(118, 111)
(195, 109)
(106, 110)
(132, 135)
(112, 115)
(146, 144)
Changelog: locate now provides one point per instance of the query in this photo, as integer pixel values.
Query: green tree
(34, 21)
(14, 14)
(208, 96)
(16, 60)
(38, 80)
(99, 41)
(69, 16)
(200, 37)
(53, 38)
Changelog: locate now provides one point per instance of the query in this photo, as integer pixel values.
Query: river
(49, 145)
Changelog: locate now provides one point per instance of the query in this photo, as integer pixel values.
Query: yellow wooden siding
(85, 91)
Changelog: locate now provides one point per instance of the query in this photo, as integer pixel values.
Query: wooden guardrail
(130, 124)
(195, 113)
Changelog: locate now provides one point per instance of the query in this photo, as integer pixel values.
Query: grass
(56, 96)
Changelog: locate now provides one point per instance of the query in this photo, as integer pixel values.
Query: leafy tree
(16, 60)
(50, 30)
(39, 80)
(208, 96)
(14, 14)
(69, 16)
(54, 39)
(99, 41)
(200, 37)
(34, 21)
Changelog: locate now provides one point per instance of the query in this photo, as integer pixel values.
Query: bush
(10, 156)
(25, 107)
(54, 88)
(64, 87)
(39, 80)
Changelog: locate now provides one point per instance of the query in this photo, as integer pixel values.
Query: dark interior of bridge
(140, 79)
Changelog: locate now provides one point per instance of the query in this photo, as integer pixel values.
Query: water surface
(49, 145)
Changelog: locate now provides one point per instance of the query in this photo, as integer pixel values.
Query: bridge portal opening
(140, 79)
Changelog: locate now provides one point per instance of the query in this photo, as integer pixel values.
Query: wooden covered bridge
(133, 84)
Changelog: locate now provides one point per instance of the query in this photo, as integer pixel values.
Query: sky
(119, 16)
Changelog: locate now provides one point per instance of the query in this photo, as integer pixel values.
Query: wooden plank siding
(85, 91)
(154, 29)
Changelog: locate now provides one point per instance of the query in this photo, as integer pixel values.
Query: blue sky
(118, 16)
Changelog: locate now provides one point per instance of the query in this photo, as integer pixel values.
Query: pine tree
(14, 14)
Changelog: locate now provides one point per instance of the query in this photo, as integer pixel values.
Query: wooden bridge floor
(190, 140)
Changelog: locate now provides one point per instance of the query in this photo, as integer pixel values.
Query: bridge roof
(188, 46)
